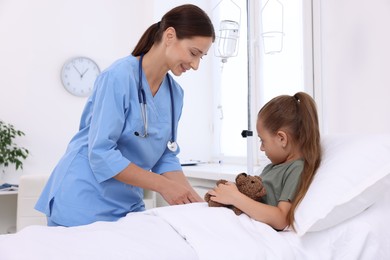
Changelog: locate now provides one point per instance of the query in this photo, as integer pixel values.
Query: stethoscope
(172, 145)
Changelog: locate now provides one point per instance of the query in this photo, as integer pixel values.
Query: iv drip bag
(226, 19)
(229, 34)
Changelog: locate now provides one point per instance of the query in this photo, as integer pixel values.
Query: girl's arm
(228, 194)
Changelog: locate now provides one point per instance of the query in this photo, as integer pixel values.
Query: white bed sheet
(196, 231)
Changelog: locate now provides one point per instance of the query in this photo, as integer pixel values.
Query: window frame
(255, 52)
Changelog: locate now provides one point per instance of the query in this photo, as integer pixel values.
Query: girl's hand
(227, 193)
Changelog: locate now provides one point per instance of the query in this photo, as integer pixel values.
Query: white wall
(354, 79)
(38, 36)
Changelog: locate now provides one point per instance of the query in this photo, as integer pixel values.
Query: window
(279, 51)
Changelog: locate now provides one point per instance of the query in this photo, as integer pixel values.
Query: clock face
(78, 76)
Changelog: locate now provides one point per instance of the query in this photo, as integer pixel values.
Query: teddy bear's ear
(241, 175)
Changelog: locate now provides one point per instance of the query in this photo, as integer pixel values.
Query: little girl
(289, 134)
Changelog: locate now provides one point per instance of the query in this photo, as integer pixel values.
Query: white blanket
(137, 237)
(192, 231)
(196, 231)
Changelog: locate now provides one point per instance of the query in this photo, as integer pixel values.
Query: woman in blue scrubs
(121, 147)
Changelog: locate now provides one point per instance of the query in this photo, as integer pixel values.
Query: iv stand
(248, 134)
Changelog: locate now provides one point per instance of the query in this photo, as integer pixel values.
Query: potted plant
(10, 152)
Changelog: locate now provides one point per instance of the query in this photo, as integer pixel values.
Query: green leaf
(10, 152)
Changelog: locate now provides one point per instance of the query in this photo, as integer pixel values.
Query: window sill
(215, 171)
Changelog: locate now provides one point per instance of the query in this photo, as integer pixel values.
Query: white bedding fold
(217, 233)
(196, 231)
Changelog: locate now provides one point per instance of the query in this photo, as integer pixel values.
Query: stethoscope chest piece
(172, 146)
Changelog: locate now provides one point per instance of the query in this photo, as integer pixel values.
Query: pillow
(354, 173)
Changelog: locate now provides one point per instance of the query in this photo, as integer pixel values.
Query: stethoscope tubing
(142, 100)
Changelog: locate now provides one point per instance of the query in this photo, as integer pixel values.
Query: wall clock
(78, 76)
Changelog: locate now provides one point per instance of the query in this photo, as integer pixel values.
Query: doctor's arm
(173, 186)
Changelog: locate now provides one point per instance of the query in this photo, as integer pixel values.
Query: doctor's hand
(177, 194)
(177, 190)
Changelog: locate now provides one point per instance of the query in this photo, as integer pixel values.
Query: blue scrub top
(81, 189)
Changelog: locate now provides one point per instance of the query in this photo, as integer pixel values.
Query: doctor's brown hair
(297, 116)
(188, 20)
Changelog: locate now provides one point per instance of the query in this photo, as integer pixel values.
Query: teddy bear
(252, 186)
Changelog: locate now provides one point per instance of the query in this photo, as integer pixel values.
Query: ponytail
(188, 21)
(309, 141)
(147, 40)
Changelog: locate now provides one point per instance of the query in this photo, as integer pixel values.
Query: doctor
(127, 136)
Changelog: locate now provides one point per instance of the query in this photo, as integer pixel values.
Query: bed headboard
(30, 188)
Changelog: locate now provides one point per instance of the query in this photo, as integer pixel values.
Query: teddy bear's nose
(252, 181)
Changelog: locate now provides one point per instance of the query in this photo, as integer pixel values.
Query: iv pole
(228, 36)
(248, 134)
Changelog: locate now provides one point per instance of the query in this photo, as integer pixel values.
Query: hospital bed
(343, 216)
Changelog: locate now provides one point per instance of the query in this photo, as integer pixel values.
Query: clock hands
(77, 70)
(81, 74)
(84, 73)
